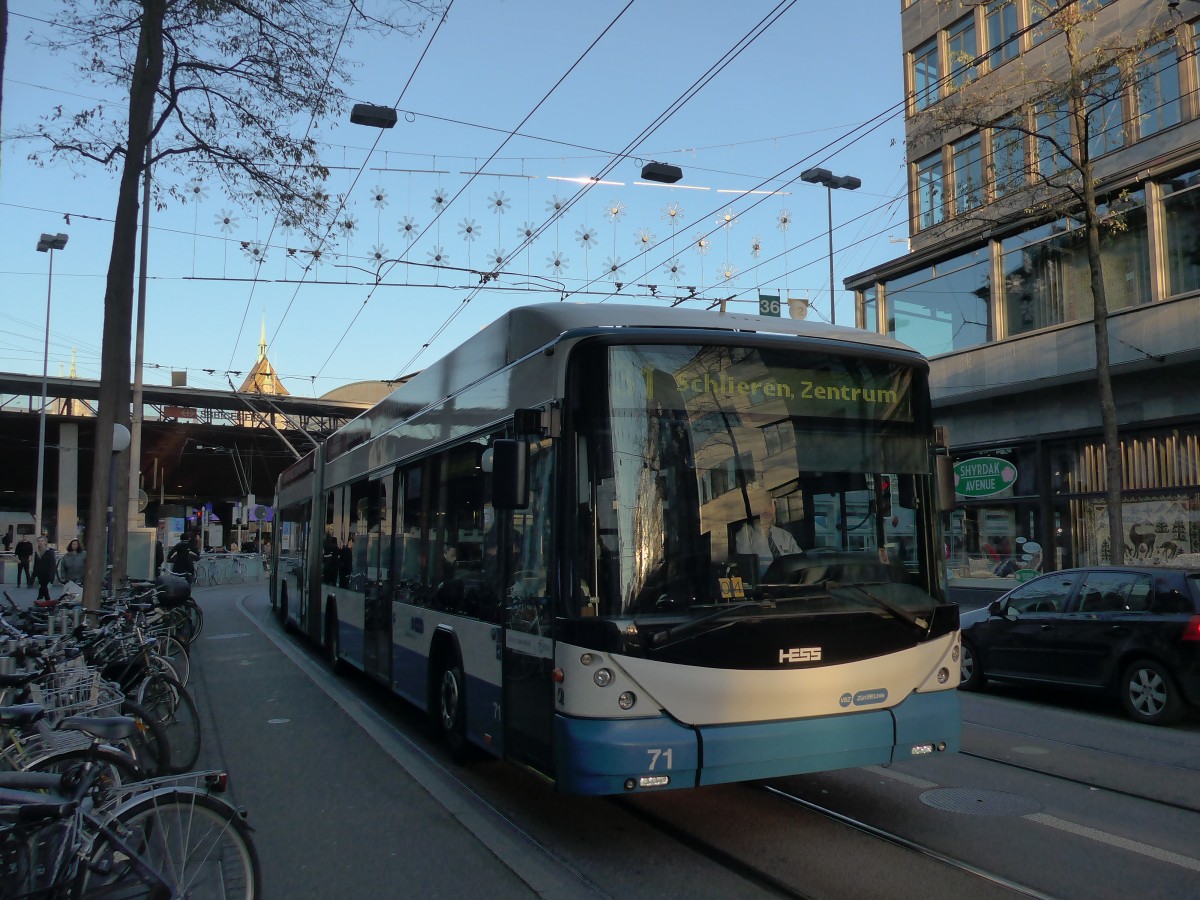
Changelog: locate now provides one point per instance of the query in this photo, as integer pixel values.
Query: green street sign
(983, 476)
(768, 305)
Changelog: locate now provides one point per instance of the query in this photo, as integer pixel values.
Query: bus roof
(527, 329)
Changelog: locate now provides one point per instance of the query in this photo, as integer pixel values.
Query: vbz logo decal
(800, 654)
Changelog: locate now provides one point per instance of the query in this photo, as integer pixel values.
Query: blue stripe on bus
(598, 756)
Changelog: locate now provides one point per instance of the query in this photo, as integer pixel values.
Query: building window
(963, 48)
(1047, 280)
(1008, 156)
(1054, 138)
(926, 77)
(967, 163)
(1181, 208)
(1002, 31)
(870, 308)
(929, 191)
(1158, 103)
(1039, 11)
(944, 307)
(1106, 120)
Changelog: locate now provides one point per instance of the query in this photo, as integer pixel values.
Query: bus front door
(528, 685)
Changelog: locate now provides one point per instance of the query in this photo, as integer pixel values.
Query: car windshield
(712, 475)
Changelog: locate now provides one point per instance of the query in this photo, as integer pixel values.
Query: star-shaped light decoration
(254, 251)
(379, 196)
(755, 246)
(614, 267)
(615, 210)
(379, 253)
(347, 224)
(701, 242)
(438, 256)
(586, 237)
(225, 220)
(438, 200)
(320, 198)
(468, 229)
(527, 230)
(783, 220)
(554, 204)
(497, 257)
(644, 237)
(557, 263)
(673, 212)
(498, 203)
(727, 219)
(729, 272)
(409, 228)
(674, 269)
(195, 190)
(316, 253)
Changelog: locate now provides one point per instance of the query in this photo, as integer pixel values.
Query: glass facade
(1052, 122)
(1047, 280)
(943, 307)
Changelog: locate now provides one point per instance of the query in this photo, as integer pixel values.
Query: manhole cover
(980, 803)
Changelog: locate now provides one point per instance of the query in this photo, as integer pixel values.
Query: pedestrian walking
(72, 563)
(182, 558)
(24, 554)
(45, 567)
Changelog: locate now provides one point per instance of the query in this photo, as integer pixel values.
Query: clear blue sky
(819, 72)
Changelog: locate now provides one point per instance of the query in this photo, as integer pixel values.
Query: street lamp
(373, 116)
(831, 181)
(46, 243)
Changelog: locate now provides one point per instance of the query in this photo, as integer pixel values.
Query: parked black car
(1132, 631)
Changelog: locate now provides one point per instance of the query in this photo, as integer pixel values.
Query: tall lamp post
(46, 243)
(831, 181)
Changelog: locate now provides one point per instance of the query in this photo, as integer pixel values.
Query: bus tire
(451, 708)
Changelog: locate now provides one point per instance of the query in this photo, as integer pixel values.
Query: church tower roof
(263, 379)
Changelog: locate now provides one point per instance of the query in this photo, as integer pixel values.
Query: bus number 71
(655, 755)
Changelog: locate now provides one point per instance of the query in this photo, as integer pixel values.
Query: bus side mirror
(510, 468)
(945, 479)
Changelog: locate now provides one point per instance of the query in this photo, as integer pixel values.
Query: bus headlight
(627, 699)
(586, 659)
(943, 675)
(603, 677)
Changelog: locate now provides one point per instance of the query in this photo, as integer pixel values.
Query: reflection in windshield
(718, 474)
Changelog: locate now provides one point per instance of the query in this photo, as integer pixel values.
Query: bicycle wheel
(118, 767)
(174, 652)
(196, 615)
(181, 624)
(197, 843)
(170, 705)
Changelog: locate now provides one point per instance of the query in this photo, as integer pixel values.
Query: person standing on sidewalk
(73, 562)
(45, 567)
(24, 552)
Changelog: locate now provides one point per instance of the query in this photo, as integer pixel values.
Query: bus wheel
(451, 710)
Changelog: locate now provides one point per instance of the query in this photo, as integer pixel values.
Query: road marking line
(1113, 840)
(900, 776)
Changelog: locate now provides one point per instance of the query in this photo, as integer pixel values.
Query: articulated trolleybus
(635, 548)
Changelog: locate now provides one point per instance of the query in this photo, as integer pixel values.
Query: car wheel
(1149, 694)
(971, 677)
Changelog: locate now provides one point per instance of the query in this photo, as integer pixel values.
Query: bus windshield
(711, 475)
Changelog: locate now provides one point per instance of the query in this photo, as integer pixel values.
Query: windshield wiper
(896, 610)
(684, 629)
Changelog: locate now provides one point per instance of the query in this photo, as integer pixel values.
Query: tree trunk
(110, 487)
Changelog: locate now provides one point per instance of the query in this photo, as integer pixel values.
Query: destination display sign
(984, 476)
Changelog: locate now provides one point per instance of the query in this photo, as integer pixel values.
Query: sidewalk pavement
(337, 811)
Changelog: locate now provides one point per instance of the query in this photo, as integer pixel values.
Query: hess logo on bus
(800, 654)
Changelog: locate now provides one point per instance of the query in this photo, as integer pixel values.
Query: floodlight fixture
(661, 172)
(372, 115)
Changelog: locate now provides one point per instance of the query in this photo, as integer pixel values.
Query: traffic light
(885, 497)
